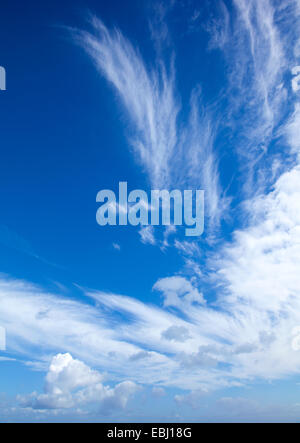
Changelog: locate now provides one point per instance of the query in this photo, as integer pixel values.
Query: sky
(141, 324)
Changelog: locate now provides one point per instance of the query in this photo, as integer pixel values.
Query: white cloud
(196, 162)
(157, 24)
(140, 356)
(291, 130)
(66, 374)
(79, 328)
(218, 28)
(147, 235)
(148, 96)
(176, 333)
(70, 383)
(178, 292)
(297, 49)
(187, 248)
(296, 79)
(169, 230)
(2, 339)
(257, 95)
(173, 155)
(204, 358)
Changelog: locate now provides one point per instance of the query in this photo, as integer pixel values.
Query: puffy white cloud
(178, 291)
(70, 383)
(66, 374)
(176, 333)
(201, 359)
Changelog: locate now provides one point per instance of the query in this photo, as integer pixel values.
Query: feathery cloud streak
(171, 154)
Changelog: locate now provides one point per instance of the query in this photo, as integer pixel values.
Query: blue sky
(141, 324)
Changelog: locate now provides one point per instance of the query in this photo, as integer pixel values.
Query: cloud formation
(172, 155)
(70, 383)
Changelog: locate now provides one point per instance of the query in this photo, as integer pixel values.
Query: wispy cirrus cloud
(147, 235)
(148, 96)
(256, 96)
(171, 153)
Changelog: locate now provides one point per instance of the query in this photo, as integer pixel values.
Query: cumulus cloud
(176, 333)
(202, 359)
(70, 383)
(178, 291)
